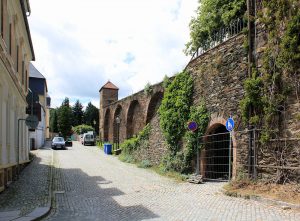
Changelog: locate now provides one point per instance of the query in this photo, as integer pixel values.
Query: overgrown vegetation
(148, 89)
(134, 143)
(175, 111)
(268, 87)
(175, 108)
(211, 16)
(83, 128)
(166, 81)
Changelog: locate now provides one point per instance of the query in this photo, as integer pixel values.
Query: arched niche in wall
(118, 128)
(106, 125)
(135, 119)
(153, 106)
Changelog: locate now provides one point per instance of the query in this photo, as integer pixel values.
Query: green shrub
(175, 108)
(126, 158)
(81, 129)
(132, 144)
(145, 164)
(148, 89)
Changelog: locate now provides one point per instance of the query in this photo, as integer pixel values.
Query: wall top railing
(220, 36)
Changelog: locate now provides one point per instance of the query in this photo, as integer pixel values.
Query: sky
(80, 45)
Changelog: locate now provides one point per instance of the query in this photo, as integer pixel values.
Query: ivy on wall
(175, 111)
(200, 115)
(136, 142)
(175, 108)
(267, 89)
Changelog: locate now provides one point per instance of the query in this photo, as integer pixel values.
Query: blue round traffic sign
(192, 126)
(230, 124)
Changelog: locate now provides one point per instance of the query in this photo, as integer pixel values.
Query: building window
(10, 39)
(17, 59)
(7, 124)
(1, 128)
(2, 18)
(26, 81)
(23, 72)
(6, 31)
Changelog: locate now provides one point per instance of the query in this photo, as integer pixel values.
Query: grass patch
(289, 193)
(170, 174)
(127, 158)
(144, 164)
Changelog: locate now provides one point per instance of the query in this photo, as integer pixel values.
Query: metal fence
(216, 157)
(222, 35)
(274, 161)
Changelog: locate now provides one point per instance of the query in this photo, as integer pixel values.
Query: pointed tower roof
(109, 85)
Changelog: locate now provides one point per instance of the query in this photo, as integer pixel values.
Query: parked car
(58, 143)
(69, 142)
(88, 138)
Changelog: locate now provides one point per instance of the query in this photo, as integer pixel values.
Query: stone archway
(106, 126)
(135, 119)
(215, 158)
(153, 106)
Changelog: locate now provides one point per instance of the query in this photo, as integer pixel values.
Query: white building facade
(16, 51)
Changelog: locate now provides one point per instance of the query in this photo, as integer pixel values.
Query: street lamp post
(118, 121)
(94, 122)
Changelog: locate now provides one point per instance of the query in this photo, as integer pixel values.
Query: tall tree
(91, 115)
(77, 113)
(53, 121)
(211, 16)
(65, 118)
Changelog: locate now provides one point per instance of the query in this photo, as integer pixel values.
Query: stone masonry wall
(218, 80)
(218, 76)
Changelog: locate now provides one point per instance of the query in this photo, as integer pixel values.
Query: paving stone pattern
(90, 185)
(31, 190)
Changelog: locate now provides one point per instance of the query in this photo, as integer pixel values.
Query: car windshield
(89, 136)
(58, 139)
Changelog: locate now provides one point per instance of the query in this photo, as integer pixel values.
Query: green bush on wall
(132, 144)
(175, 108)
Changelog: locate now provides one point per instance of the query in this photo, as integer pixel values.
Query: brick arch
(107, 120)
(119, 113)
(217, 125)
(135, 119)
(153, 105)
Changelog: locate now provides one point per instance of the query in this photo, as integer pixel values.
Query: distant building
(16, 53)
(38, 86)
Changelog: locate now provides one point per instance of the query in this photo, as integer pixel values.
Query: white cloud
(79, 45)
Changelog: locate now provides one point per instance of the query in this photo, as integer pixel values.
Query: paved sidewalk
(29, 197)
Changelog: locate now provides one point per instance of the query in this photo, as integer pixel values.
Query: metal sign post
(193, 126)
(229, 167)
(196, 178)
(229, 127)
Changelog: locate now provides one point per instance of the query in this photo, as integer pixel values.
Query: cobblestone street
(89, 185)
